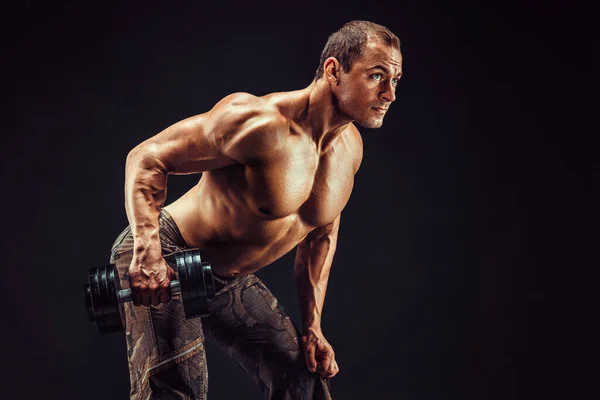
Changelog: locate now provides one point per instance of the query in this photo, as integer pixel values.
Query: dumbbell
(103, 293)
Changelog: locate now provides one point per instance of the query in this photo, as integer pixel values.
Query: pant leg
(251, 326)
(165, 351)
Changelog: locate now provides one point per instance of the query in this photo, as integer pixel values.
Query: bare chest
(316, 189)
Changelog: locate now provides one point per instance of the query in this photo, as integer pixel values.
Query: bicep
(321, 242)
(223, 136)
(329, 231)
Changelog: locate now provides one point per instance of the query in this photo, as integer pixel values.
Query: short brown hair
(346, 44)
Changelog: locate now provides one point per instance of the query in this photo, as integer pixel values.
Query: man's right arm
(239, 129)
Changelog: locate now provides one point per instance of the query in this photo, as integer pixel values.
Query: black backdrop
(451, 249)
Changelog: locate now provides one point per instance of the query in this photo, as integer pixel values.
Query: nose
(388, 92)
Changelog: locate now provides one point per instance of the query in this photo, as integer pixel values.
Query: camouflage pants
(166, 352)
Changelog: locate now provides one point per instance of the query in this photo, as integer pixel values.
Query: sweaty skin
(277, 171)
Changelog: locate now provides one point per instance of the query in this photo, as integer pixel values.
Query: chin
(370, 123)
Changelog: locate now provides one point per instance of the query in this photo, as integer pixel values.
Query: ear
(331, 69)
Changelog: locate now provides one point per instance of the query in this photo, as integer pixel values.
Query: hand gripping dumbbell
(103, 293)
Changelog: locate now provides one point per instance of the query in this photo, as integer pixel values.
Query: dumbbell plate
(103, 286)
(89, 308)
(189, 265)
(102, 294)
(209, 282)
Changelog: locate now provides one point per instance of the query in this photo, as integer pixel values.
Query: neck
(321, 116)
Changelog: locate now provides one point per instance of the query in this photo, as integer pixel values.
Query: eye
(395, 81)
(377, 76)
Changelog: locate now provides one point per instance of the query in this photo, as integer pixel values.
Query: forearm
(145, 193)
(311, 270)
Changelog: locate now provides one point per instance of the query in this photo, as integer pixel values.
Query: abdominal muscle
(232, 237)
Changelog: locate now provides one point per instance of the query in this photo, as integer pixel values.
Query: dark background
(453, 276)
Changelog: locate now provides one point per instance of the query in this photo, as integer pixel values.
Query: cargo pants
(165, 351)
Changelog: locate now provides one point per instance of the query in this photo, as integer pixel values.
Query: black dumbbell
(103, 293)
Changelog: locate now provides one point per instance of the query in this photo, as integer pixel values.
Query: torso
(244, 217)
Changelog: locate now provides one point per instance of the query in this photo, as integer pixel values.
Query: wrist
(146, 249)
(313, 329)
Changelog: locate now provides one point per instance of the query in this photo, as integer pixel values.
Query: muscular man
(277, 171)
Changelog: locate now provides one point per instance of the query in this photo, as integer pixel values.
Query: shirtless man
(276, 172)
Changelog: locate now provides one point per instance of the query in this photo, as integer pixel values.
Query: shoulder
(247, 127)
(355, 144)
(244, 108)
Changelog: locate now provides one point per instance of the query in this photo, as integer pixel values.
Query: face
(366, 92)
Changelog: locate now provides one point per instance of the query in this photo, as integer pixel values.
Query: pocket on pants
(160, 337)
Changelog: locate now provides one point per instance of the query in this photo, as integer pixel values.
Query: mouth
(381, 110)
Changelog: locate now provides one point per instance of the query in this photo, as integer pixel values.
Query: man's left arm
(311, 270)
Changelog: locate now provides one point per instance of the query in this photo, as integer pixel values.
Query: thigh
(251, 326)
(165, 351)
(248, 322)
(252, 313)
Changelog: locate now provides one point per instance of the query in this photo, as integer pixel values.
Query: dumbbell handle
(124, 295)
